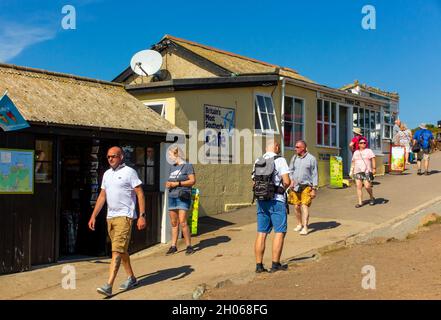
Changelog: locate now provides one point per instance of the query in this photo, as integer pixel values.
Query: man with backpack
(271, 178)
(304, 184)
(422, 141)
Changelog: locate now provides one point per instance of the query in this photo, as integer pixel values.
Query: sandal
(358, 205)
(372, 202)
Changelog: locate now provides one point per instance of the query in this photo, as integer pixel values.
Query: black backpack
(264, 186)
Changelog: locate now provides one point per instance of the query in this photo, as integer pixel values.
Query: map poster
(16, 171)
(336, 172)
(397, 159)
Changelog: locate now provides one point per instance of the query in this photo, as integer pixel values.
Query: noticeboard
(16, 171)
(336, 172)
(397, 158)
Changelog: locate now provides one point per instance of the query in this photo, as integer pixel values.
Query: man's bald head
(115, 156)
(115, 150)
(272, 146)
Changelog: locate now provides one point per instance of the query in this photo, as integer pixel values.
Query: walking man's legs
(114, 267)
(298, 209)
(426, 163)
(126, 264)
(305, 215)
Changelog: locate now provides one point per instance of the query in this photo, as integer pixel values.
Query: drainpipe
(282, 117)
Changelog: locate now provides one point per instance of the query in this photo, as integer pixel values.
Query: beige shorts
(120, 230)
(424, 154)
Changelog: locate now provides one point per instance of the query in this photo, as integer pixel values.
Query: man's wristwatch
(142, 215)
(179, 183)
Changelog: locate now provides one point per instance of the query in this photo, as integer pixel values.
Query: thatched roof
(56, 98)
(235, 63)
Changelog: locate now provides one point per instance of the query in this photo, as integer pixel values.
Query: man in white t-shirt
(119, 188)
(272, 213)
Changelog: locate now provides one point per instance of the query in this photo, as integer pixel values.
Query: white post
(164, 169)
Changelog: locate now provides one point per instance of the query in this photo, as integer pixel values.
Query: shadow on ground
(318, 226)
(209, 224)
(159, 276)
(206, 243)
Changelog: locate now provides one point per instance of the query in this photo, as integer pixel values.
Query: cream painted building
(220, 89)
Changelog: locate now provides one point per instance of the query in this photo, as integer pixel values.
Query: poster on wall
(397, 158)
(219, 123)
(336, 172)
(16, 171)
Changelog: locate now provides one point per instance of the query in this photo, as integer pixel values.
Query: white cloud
(14, 38)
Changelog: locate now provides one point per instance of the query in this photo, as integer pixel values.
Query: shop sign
(219, 126)
(397, 158)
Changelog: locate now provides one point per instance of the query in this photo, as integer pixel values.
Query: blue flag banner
(10, 117)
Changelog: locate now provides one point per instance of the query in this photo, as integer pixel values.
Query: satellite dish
(146, 62)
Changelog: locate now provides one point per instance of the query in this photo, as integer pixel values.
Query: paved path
(225, 245)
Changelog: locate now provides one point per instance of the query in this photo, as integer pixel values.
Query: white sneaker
(298, 228)
(304, 231)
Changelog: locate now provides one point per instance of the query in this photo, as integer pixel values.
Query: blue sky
(321, 39)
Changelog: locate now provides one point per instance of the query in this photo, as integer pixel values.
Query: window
(158, 107)
(143, 160)
(369, 122)
(388, 120)
(43, 161)
(265, 117)
(294, 121)
(326, 123)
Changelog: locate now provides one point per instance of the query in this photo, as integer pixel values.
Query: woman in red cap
(363, 161)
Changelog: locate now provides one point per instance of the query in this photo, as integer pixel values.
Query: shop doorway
(81, 173)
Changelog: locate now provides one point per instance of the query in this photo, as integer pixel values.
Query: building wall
(219, 184)
(227, 186)
(167, 98)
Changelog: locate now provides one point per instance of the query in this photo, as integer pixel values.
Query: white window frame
(331, 124)
(295, 123)
(163, 103)
(385, 124)
(367, 130)
(262, 131)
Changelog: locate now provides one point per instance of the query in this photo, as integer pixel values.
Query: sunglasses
(112, 156)
(362, 142)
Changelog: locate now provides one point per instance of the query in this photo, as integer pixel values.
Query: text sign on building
(219, 124)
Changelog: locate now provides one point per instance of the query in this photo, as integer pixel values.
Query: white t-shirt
(281, 167)
(120, 185)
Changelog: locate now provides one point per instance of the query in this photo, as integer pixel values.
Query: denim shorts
(178, 204)
(271, 213)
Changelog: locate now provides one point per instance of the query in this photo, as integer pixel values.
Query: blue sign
(10, 117)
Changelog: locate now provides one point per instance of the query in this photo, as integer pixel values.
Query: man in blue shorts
(424, 138)
(271, 178)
